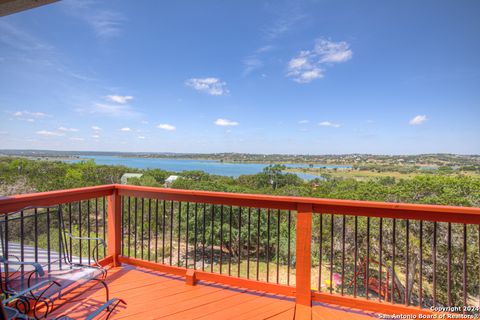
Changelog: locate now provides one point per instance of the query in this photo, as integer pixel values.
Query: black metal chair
(21, 286)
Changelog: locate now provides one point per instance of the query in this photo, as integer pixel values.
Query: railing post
(114, 227)
(303, 296)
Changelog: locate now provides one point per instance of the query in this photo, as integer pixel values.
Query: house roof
(12, 6)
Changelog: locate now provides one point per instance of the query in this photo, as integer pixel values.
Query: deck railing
(385, 257)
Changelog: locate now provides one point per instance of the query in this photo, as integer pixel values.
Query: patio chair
(8, 313)
(36, 290)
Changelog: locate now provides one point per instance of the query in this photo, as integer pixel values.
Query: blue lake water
(209, 166)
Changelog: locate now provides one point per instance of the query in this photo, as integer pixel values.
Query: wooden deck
(154, 295)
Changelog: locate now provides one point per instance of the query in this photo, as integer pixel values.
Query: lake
(209, 166)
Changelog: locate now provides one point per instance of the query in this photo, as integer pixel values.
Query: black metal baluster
(380, 245)
(331, 252)
(248, 242)
(355, 254)
(288, 247)
(240, 211)
(79, 229)
(407, 262)
(464, 266)
(258, 242)
(163, 230)
(6, 241)
(449, 264)
(230, 243)
(367, 261)
(278, 245)
(204, 229)
(69, 229)
(268, 245)
(129, 227)
(195, 237)
(149, 229)
(22, 255)
(142, 236)
(179, 232)
(88, 230)
(156, 230)
(96, 226)
(212, 208)
(171, 232)
(59, 227)
(221, 238)
(393, 258)
(434, 255)
(420, 282)
(135, 218)
(320, 252)
(104, 226)
(48, 241)
(35, 239)
(187, 235)
(343, 251)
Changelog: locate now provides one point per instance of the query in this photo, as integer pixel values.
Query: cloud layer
(226, 123)
(309, 65)
(417, 120)
(167, 127)
(329, 124)
(211, 86)
(119, 99)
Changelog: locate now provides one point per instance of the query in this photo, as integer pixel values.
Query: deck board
(154, 295)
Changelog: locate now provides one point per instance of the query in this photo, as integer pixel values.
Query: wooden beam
(50, 198)
(13, 6)
(114, 227)
(303, 251)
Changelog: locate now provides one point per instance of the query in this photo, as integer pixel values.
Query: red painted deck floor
(154, 295)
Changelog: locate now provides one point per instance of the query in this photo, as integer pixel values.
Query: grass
(361, 175)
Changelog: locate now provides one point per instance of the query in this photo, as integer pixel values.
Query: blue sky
(313, 77)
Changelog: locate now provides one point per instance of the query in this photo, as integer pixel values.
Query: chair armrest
(37, 266)
(23, 292)
(106, 305)
(87, 238)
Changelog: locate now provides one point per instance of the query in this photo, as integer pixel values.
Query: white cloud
(303, 121)
(77, 139)
(166, 126)
(49, 133)
(286, 18)
(126, 129)
(211, 86)
(329, 124)
(105, 23)
(120, 99)
(418, 120)
(254, 61)
(95, 136)
(96, 128)
(141, 137)
(226, 122)
(28, 115)
(68, 129)
(117, 110)
(251, 63)
(310, 64)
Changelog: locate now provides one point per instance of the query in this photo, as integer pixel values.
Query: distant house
(170, 180)
(126, 176)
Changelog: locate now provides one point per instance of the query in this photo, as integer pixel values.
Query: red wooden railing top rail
(351, 207)
(305, 207)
